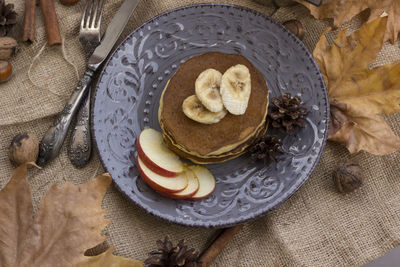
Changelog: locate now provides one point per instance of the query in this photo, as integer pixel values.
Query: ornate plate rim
(260, 212)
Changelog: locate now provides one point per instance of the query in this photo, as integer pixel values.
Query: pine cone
(8, 17)
(167, 255)
(286, 114)
(266, 148)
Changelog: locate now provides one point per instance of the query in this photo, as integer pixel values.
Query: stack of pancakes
(211, 143)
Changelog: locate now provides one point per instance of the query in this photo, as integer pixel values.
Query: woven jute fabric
(316, 227)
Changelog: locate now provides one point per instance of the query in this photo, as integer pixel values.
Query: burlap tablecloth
(316, 227)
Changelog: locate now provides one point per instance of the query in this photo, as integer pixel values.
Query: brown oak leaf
(343, 10)
(359, 94)
(360, 130)
(69, 222)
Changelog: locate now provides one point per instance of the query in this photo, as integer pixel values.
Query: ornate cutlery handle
(80, 145)
(53, 139)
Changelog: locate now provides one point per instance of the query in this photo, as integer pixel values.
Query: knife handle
(80, 145)
(53, 139)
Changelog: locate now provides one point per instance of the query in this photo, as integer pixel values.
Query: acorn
(295, 27)
(23, 148)
(5, 71)
(348, 177)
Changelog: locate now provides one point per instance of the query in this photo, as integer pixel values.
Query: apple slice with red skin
(155, 154)
(206, 182)
(189, 191)
(161, 183)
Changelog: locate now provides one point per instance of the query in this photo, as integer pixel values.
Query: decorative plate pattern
(127, 99)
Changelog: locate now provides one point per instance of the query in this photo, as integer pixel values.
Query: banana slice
(193, 108)
(207, 90)
(236, 89)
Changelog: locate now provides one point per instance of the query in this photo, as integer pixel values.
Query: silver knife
(53, 139)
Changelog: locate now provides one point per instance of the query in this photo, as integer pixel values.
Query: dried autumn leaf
(358, 94)
(16, 216)
(69, 222)
(344, 66)
(109, 260)
(343, 10)
(365, 130)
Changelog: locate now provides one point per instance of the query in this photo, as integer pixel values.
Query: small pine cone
(8, 17)
(266, 148)
(168, 255)
(286, 114)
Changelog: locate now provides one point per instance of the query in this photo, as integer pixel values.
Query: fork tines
(94, 7)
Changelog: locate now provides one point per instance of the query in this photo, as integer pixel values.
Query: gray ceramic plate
(127, 98)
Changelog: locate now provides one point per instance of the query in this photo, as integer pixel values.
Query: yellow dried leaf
(69, 222)
(358, 94)
(343, 10)
(109, 260)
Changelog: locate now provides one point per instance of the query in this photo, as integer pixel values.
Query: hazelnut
(7, 47)
(348, 177)
(5, 71)
(69, 2)
(24, 148)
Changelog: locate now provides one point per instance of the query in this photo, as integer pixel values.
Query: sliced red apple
(189, 191)
(156, 155)
(206, 182)
(161, 183)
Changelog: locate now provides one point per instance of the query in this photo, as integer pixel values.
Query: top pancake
(203, 139)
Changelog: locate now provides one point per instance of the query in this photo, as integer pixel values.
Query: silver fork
(89, 33)
(80, 145)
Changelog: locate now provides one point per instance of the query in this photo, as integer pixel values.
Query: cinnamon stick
(218, 245)
(50, 21)
(29, 21)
